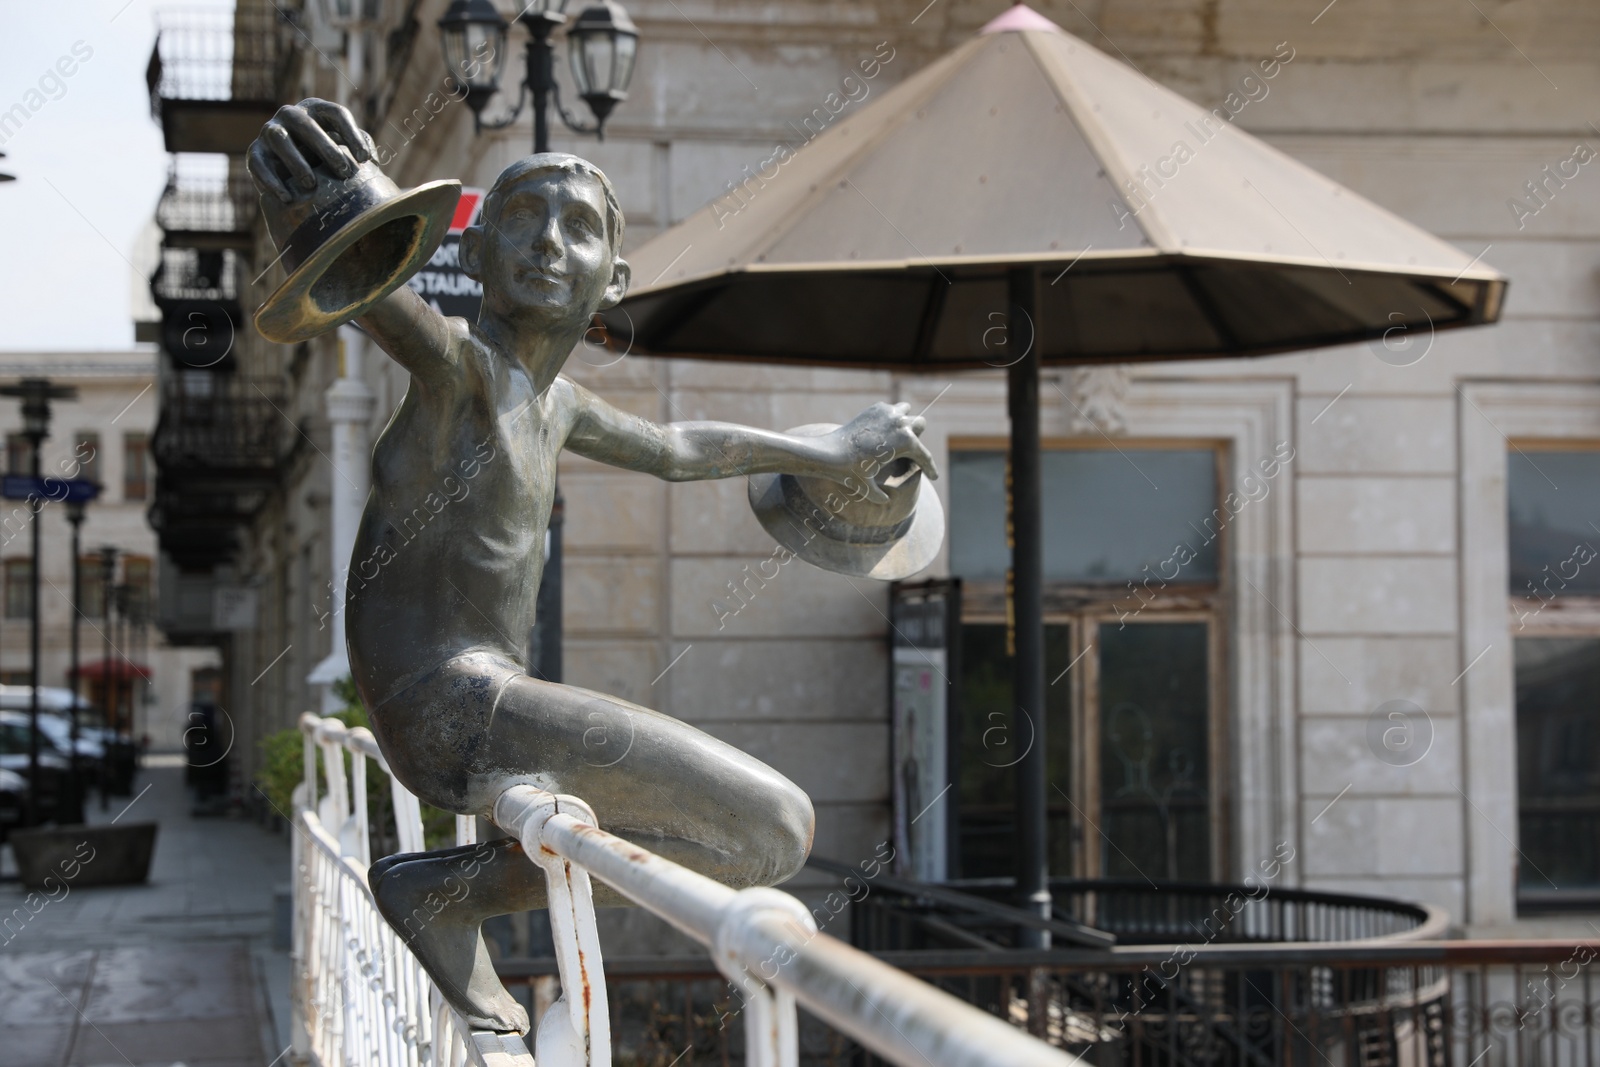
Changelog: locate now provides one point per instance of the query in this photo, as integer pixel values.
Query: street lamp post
(119, 596)
(108, 576)
(75, 510)
(35, 394)
(601, 46)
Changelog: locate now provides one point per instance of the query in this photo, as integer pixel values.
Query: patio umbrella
(1028, 180)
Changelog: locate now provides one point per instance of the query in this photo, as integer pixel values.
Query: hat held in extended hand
(824, 524)
(348, 245)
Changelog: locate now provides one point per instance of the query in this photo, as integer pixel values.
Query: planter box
(84, 855)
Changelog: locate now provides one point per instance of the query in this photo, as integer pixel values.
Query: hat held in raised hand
(348, 245)
(826, 525)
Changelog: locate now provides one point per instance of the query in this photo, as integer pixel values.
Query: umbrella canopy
(1157, 229)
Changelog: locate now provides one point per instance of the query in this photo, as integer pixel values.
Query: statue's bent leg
(651, 779)
(468, 731)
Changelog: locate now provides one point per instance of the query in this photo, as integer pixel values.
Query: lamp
(473, 37)
(602, 45)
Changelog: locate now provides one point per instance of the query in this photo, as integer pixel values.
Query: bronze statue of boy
(436, 635)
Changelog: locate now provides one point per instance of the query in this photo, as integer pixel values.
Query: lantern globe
(602, 45)
(473, 37)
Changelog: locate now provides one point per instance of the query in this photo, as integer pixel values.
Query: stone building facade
(103, 435)
(1351, 669)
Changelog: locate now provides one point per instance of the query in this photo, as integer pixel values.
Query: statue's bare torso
(450, 552)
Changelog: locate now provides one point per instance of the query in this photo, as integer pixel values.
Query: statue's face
(546, 250)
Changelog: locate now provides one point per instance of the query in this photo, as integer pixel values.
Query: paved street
(178, 971)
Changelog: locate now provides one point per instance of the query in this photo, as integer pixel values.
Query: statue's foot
(447, 941)
(487, 1005)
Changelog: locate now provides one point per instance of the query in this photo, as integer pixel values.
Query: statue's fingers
(310, 134)
(338, 121)
(282, 144)
(923, 458)
(262, 169)
(916, 424)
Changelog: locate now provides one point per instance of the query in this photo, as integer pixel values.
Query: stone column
(350, 405)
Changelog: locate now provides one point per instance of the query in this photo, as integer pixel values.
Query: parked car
(54, 768)
(91, 746)
(13, 802)
(55, 720)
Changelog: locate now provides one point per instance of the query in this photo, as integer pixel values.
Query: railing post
(568, 1035)
(330, 735)
(771, 1028)
(308, 748)
(358, 782)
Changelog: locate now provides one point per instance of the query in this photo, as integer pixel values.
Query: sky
(89, 165)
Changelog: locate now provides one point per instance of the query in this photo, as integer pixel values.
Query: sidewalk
(177, 971)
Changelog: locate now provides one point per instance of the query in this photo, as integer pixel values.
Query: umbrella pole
(1026, 590)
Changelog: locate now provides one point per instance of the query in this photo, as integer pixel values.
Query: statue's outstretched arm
(690, 451)
(280, 162)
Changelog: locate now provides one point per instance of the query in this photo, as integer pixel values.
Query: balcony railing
(214, 75)
(902, 914)
(1380, 1004)
(361, 997)
(219, 433)
(192, 275)
(207, 214)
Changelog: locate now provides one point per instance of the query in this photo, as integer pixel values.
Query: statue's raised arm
(349, 238)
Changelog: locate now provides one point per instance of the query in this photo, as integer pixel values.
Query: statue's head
(548, 241)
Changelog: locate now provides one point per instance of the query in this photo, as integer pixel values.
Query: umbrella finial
(1020, 17)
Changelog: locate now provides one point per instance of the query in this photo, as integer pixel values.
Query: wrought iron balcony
(218, 433)
(189, 274)
(214, 75)
(207, 214)
(197, 291)
(198, 530)
(217, 447)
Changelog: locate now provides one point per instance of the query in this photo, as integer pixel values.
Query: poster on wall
(922, 666)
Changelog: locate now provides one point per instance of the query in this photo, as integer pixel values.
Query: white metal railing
(361, 997)
(359, 994)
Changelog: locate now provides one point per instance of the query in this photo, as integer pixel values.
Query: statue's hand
(301, 136)
(877, 437)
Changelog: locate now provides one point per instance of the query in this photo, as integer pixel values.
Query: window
(91, 588)
(1133, 712)
(86, 451)
(19, 588)
(1130, 525)
(1555, 626)
(136, 572)
(135, 466)
(19, 454)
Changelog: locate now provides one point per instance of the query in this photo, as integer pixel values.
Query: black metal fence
(1395, 1004)
(899, 914)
